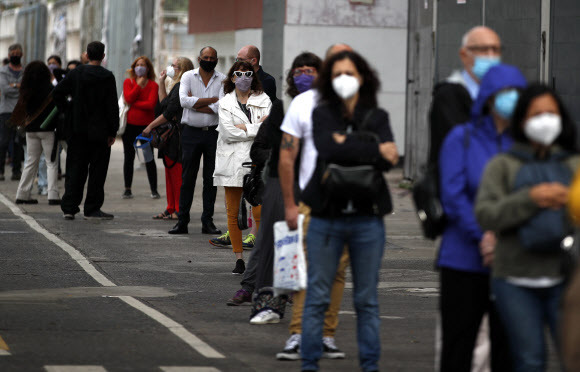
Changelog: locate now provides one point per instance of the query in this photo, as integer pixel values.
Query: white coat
(233, 144)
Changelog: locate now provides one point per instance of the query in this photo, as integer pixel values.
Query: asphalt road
(123, 295)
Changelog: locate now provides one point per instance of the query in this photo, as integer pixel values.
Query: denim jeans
(365, 237)
(525, 312)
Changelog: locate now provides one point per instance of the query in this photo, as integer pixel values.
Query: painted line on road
(176, 328)
(4, 349)
(74, 369)
(189, 369)
(347, 312)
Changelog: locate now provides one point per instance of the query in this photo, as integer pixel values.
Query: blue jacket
(462, 159)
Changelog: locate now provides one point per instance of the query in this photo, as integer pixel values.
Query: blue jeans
(365, 237)
(525, 312)
(42, 173)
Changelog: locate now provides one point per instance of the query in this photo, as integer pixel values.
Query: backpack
(427, 200)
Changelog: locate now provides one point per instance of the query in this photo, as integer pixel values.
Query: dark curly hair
(566, 139)
(303, 59)
(230, 86)
(35, 85)
(368, 89)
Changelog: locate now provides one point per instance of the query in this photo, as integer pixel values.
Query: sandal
(172, 216)
(162, 216)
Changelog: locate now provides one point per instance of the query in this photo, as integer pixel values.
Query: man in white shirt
(199, 93)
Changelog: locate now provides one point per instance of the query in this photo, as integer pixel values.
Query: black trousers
(131, 132)
(8, 135)
(465, 298)
(196, 143)
(85, 159)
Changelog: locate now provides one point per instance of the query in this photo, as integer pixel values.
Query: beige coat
(233, 144)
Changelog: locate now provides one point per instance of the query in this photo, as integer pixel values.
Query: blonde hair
(185, 64)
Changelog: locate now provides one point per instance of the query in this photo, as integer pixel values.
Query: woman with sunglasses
(242, 110)
(169, 109)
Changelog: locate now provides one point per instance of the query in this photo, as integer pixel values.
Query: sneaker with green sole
(222, 240)
(248, 241)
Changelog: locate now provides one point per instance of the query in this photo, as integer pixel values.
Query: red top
(142, 101)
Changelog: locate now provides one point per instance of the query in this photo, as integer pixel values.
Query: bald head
(480, 41)
(337, 48)
(250, 54)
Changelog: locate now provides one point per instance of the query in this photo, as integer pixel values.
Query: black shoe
(99, 215)
(2, 178)
(69, 216)
(179, 228)
(240, 267)
(53, 201)
(209, 228)
(155, 195)
(26, 201)
(127, 194)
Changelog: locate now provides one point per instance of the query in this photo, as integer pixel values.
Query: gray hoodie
(8, 95)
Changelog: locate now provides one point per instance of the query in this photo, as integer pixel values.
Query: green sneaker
(248, 242)
(222, 240)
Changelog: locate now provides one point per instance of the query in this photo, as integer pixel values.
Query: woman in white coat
(241, 112)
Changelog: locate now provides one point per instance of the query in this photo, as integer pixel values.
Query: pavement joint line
(189, 369)
(72, 368)
(176, 328)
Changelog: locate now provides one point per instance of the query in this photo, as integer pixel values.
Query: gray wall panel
(273, 21)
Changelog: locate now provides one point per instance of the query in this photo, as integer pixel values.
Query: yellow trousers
(233, 197)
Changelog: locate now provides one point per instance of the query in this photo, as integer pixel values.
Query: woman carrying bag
(242, 110)
(170, 110)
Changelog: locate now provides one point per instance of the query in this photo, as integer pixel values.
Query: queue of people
(505, 154)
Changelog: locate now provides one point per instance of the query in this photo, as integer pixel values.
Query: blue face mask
(505, 103)
(303, 82)
(482, 64)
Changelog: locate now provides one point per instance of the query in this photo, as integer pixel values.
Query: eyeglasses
(485, 48)
(303, 70)
(243, 59)
(246, 73)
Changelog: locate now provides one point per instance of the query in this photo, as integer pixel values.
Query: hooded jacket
(93, 112)
(233, 144)
(8, 95)
(462, 159)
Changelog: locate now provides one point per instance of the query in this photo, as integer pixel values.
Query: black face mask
(15, 60)
(207, 66)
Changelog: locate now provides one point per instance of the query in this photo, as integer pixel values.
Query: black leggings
(131, 132)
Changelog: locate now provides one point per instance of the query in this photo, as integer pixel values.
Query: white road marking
(347, 312)
(74, 369)
(176, 328)
(387, 285)
(4, 352)
(189, 369)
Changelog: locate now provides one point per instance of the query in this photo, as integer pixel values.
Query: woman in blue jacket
(466, 251)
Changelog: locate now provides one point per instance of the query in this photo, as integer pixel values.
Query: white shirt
(298, 123)
(191, 81)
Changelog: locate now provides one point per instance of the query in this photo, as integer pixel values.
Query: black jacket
(93, 112)
(326, 120)
(268, 83)
(267, 141)
(451, 105)
(170, 107)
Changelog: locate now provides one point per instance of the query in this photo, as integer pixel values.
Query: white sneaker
(265, 317)
(292, 349)
(330, 351)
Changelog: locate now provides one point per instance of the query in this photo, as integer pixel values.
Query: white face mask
(543, 128)
(345, 86)
(170, 71)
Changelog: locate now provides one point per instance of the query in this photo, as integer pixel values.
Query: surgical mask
(243, 83)
(170, 71)
(543, 128)
(505, 103)
(140, 71)
(482, 64)
(345, 86)
(52, 67)
(15, 60)
(207, 66)
(303, 82)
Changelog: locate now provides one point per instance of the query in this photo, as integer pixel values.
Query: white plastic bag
(123, 110)
(289, 261)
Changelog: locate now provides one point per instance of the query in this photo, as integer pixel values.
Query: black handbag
(242, 215)
(253, 184)
(365, 180)
(428, 205)
(162, 135)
